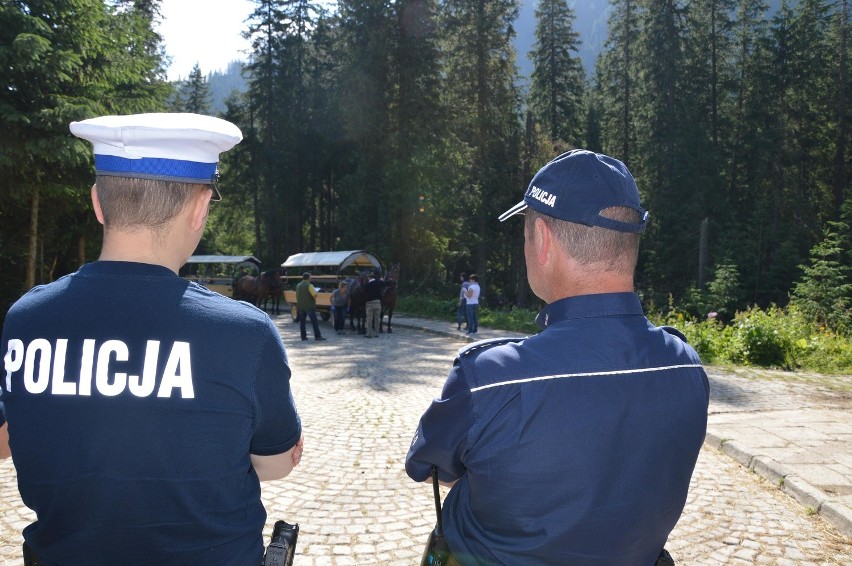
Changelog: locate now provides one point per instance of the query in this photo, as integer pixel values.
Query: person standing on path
(306, 304)
(157, 406)
(461, 312)
(472, 296)
(600, 416)
(373, 291)
(340, 303)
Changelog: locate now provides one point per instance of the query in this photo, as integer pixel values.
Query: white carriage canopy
(222, 259)
(220, 266)
(335, 263)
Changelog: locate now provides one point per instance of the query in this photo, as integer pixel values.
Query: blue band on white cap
(166, 169)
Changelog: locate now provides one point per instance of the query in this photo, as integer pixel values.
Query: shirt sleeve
(277, 425)
(442, 435)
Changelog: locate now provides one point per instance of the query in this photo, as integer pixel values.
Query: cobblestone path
(360, 401)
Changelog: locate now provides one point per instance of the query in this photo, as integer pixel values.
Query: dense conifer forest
(401, 127)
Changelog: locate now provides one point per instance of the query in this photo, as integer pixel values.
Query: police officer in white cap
(575, 445)
(143, 409)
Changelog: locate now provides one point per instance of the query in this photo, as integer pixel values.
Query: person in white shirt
(472, 296)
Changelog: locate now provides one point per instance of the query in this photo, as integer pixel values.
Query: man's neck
(603, 283)
(140, 246)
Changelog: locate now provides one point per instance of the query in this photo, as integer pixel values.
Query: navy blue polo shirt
(134, 400)
(574, 446)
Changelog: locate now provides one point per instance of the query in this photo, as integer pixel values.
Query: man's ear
(542, 241)
(200, 207)
(96, 203)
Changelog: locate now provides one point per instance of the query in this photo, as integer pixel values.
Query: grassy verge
(514, 320)
(771, 338)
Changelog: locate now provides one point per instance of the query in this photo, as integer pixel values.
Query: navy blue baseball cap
(577, 186)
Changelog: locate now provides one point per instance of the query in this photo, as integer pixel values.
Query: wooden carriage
(327, 270)
(219, 272)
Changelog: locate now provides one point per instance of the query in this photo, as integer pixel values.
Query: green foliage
(194, 95)
(557, 88)
(60, 61)
(432, 306)
(721, 111)
(824, 293)
(444, 308)
(774, 337)
(513, 319)
(764, 342)
(724, 290)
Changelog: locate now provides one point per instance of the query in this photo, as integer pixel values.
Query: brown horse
(389, 296)
(358, 302)
(275, 295)
(258, 290)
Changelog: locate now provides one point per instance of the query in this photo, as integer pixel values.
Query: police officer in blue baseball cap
(143, 409)
(575, 445)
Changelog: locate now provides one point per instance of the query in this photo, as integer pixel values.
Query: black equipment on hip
(437, 551)
(282, 547)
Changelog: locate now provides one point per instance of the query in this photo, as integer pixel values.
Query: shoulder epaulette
(675, 332)
(485, 344)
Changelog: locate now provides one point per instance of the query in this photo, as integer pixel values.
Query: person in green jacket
(306, 304)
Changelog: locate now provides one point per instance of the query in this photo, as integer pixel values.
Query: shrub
(764, 341)
(774, 337)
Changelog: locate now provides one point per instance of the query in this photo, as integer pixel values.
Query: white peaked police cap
(170, 146)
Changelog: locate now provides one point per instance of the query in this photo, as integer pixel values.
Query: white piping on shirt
(587, 374)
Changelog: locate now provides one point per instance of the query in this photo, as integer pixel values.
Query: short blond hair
(592, 245)
(131, 203)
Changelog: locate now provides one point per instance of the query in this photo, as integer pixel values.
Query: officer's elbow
(270, 468)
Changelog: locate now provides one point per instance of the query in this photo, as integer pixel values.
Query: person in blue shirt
(144, 409)
(574, 446)
(461, 312)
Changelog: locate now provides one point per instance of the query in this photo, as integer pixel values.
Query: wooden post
(702, 254)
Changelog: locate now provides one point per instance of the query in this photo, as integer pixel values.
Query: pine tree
(704, 127)
(195, 92)
(749, 149)
(419, 152)
(480, 74)
(64, 60)
(279, 30)
(615, 83)
(365, 79)
(661, 163)
(557, 90)
(824, 293)
(799, 196)
(843, 143)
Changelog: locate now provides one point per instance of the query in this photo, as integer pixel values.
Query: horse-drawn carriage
(327, 270)
(220, 273)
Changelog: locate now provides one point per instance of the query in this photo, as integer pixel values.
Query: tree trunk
(33, 244)
(81, 250)
(840, 176)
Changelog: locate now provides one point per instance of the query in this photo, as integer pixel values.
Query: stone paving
(360, 401)
(792, 429)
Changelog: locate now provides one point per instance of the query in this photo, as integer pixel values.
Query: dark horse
(358, 302)
(258, 290)
(389, 296)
